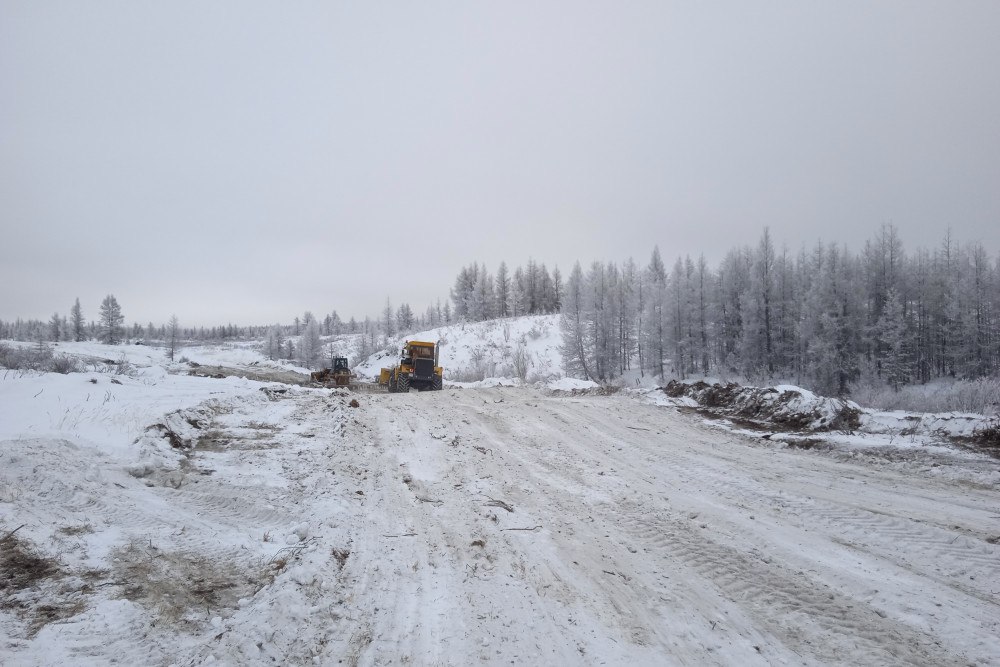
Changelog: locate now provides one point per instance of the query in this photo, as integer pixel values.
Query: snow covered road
(509, 526)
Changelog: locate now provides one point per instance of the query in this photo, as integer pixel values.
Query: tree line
(530, 290)
(823, 316)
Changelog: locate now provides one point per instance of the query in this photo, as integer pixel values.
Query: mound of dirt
(783, 407)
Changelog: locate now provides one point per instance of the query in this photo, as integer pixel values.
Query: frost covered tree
(173, 335)
(557, 290)
(676, 315)
(655, 324)
(599, 316)
(700, 316)
(404, 317)
(274, 342)
(111, 320)
(76, 320)
(388, 319)
(518, 299)
(756, 335)
(55, 328)
(574, 326)
(465, 284)
(502, 290)
(893, 348)
(310, 346)
(627, 315)
(830, 324)
(546, 291)
(480, 303)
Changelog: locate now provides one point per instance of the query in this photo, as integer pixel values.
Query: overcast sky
(247, 161)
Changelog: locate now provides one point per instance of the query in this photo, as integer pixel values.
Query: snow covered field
(266, 524)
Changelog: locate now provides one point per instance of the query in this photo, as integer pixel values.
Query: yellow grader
(417, 368)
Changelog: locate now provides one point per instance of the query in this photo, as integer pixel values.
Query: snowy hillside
(525, 348)
(92, 355)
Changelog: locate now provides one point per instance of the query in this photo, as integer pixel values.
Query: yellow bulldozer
(337, 375)
(417, 368)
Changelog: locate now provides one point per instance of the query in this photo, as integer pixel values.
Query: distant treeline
(74, 327)
(822, 316)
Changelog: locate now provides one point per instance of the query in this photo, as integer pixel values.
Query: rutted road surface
(506, 526)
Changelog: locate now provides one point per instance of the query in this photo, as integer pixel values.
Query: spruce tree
(111, 320)
(76, 318)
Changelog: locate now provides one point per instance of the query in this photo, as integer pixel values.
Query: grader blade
(368, 388)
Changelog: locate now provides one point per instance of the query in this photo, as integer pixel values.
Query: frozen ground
(487, 525)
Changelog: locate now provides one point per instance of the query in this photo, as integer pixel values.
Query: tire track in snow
(783, 601)
(717, 473)
(914, 545)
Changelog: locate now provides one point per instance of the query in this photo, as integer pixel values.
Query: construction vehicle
(337, 375)
(417, 368)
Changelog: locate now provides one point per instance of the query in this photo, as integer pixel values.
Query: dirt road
(506, 526)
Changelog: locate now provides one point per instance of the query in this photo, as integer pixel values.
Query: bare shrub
(981, 396)
(64, 364)
(522, 362)
(35, 358)
(481, 366)
(122, 366)
(466, 374)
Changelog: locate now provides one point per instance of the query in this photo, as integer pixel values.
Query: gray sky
(247, 161)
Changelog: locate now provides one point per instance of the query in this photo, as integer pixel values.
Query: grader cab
(418, 368)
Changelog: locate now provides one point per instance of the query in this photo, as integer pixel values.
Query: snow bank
(571, 384)
(949, 424)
